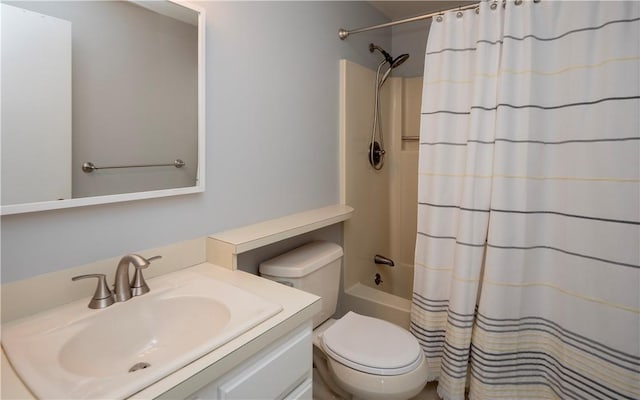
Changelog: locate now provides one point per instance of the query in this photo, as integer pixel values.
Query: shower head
(395, 63)
(399, 60)
(387, 56)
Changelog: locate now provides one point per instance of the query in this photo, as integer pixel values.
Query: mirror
(102, 101)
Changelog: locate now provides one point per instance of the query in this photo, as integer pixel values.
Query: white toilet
(365, 357)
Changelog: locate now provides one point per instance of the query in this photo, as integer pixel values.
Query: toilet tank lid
(302, 261)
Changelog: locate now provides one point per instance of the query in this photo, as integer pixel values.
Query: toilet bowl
(356, 355)
(371, 358)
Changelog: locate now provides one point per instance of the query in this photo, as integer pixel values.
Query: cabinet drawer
(273, 374)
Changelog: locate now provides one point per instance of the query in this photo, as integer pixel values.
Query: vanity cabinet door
(302, 392)
(282, 370)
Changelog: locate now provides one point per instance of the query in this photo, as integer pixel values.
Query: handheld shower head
(394, 64)
(376, 149)
(398, 61)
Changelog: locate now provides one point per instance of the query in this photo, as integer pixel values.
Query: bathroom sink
(106, 346)
(76, 352)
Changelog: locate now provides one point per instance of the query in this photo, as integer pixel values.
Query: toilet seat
(372, 345)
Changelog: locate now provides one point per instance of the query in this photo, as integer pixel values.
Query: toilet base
(378, 387)
(321, 367)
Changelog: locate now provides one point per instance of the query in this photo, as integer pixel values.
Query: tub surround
(205, 255)
(388, 196)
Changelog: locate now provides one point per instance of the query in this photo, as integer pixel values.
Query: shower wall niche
(385, 201)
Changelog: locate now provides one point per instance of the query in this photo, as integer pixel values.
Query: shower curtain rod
(343, 33)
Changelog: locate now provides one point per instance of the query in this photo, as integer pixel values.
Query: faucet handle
(102, 297)
(138, 284)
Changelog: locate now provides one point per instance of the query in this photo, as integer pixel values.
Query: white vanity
(289, 358)
(272, 359)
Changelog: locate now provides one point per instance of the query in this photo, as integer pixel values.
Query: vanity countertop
(298, 307)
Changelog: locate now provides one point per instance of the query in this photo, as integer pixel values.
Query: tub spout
(378, 259)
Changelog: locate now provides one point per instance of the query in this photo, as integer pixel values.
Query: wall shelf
(223, 248)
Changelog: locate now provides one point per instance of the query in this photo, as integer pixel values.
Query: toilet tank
(313, 268)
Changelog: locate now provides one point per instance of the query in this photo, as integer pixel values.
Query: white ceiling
(400, 9)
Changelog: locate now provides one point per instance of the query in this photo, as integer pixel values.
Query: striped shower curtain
(527, 265)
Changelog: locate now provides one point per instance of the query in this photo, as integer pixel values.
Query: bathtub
(366, 300)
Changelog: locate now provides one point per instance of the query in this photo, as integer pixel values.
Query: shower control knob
(376, 155)
(378, 279)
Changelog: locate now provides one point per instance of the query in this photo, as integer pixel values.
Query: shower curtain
(527, 264)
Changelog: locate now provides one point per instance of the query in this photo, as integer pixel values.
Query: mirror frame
(116, 198)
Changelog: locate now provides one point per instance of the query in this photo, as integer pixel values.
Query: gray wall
(272, 139)
(410, 38)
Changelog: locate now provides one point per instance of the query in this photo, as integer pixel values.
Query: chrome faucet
(378, 259)
(123, 290)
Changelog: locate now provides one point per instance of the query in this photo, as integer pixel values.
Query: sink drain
(140, 365)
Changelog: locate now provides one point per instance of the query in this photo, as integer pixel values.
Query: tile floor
(428, 393)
